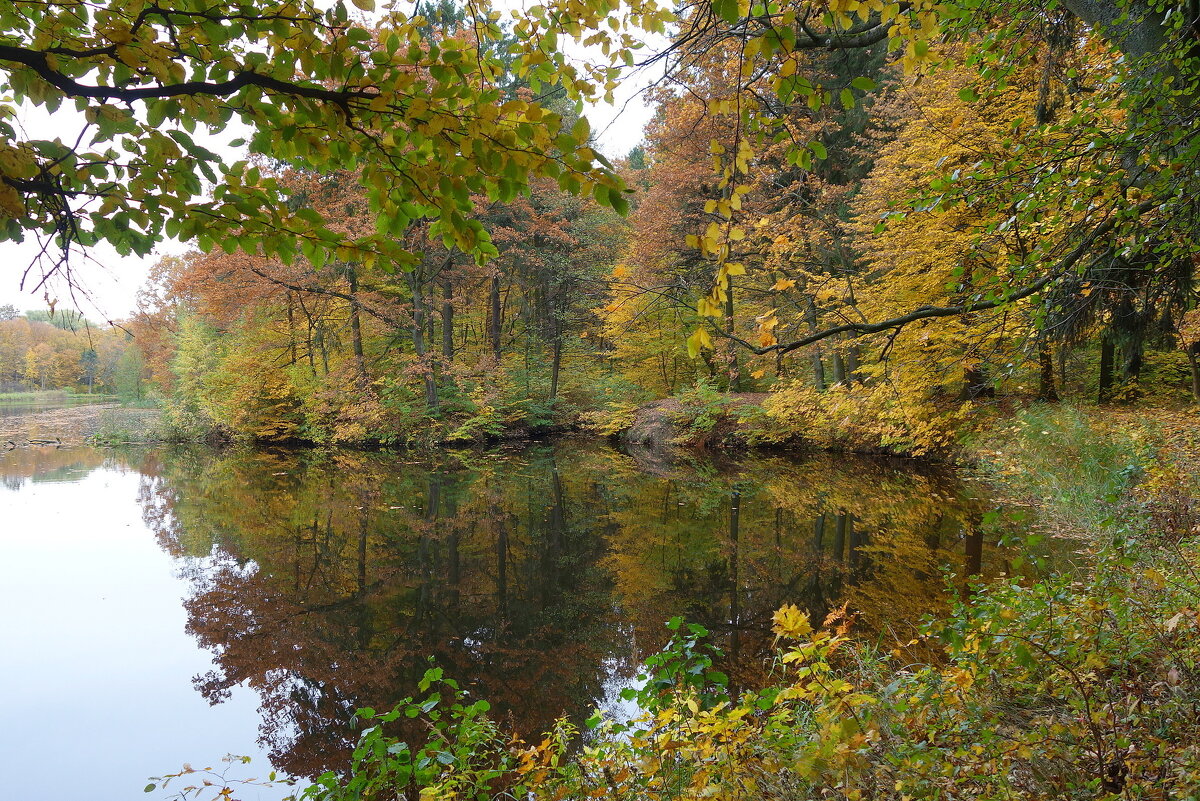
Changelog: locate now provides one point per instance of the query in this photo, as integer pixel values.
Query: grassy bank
(53, 396)
(33, 397)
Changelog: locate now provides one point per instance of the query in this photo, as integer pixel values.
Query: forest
(883, 234)
(44, 350)
(962, 232)
(582, 313)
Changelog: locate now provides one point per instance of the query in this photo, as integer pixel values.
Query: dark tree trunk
(447, 320)
(1131, 369)
(818, 362)
(735, 372)
(291, 320)
(852, 364)
(556, 362)
(977, 383)
(418, 337)
(321, 346)
(1108, 352)
(839, 368)
(1193, 355)
(494, 318)
(356, 339)
(1046, 390)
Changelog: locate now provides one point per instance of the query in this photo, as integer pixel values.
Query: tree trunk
(494, 320)
(852, 364)
(447, 320)
(735, 372)
(323, 349)
(818, 363)
(839, 368)
(418, 338)
(556, 362)
(976, 383)
(1131, 369)
(1134, 28)
(356, 325)
(1046, 390)
(1193, 354)
(291, 321)
(1107, 357)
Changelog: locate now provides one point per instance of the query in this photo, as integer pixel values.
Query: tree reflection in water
(538, 578)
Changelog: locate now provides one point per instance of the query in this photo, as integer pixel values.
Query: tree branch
(38, 61)
(932, 312)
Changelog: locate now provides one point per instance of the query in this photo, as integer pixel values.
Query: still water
(20, 408)
(165, 606)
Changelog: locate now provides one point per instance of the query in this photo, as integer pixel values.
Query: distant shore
(78, 425)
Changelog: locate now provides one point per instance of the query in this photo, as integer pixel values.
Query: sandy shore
(77, 425)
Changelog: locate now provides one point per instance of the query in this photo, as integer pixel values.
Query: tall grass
(33, 397)
(1080, 470)
(53, 396)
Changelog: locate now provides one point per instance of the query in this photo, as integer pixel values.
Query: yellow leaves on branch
(698, 341)
(791, 622)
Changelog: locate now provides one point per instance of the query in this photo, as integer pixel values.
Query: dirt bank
(77, 425)
(664, 423)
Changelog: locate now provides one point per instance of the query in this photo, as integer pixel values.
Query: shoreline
(80, 424)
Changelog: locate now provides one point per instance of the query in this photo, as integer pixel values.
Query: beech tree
(423, 123)
(1134, 205)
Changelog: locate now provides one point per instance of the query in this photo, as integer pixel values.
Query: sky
(106, 284)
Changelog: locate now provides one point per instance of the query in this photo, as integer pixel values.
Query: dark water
(289, 588)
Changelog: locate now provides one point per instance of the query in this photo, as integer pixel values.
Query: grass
(51, 396)
(1068, 462)
(32, 397)
(126, 426)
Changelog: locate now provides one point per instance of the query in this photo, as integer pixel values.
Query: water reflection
(50, 465)
(326, 579)
(540, 578)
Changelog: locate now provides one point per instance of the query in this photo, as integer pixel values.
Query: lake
(17, 405)
(170, 605)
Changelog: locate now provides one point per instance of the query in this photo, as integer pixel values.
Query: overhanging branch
(933, 312)
(38, 61)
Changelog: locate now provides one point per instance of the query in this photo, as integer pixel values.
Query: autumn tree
(423, 128)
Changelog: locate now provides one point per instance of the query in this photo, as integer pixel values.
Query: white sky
(107, 284)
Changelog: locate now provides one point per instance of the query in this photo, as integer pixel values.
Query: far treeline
(59, 349)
